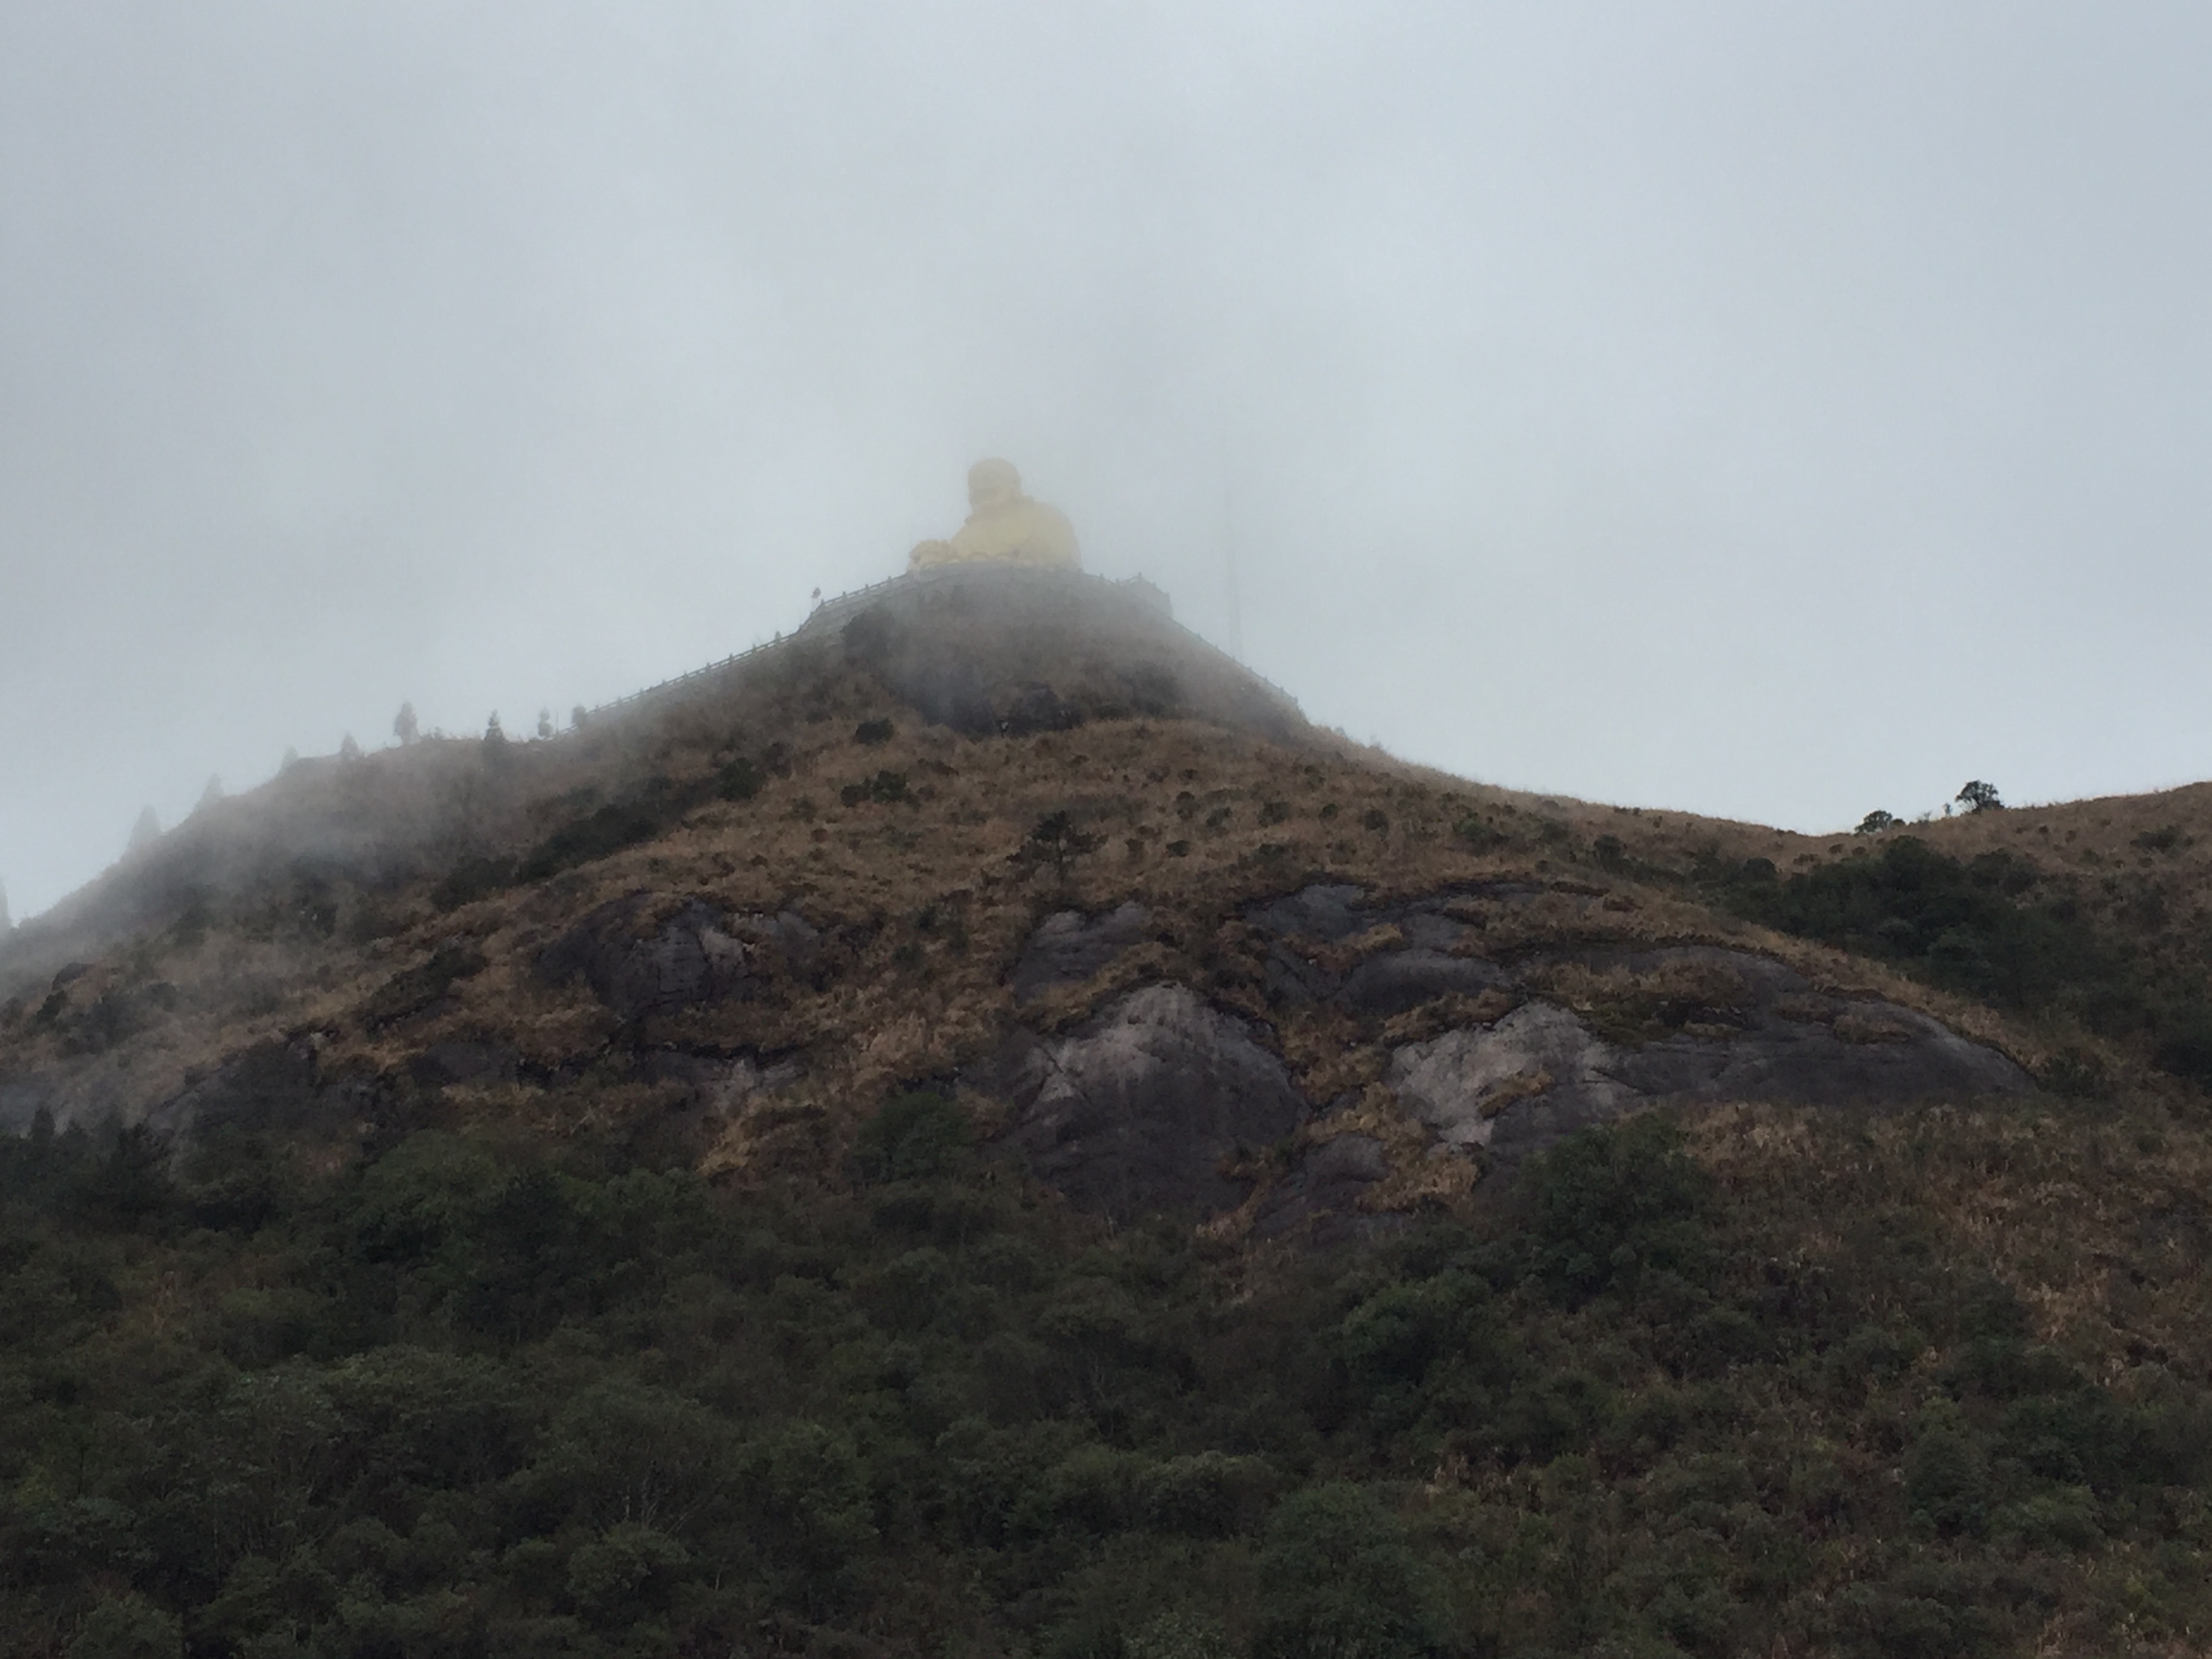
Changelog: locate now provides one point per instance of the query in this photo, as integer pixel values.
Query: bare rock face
(1319, 1198)
(1464, 1081)
(1540, 1073)
(1396, 981)
(276, 1085)
(1134, 1111)
(698, 955)
(1069, 948)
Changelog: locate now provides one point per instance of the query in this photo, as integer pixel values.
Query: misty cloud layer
(1780, 412)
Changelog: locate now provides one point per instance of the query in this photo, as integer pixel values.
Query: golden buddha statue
(1003, 527)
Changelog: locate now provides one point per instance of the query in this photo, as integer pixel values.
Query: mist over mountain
(1763, 412)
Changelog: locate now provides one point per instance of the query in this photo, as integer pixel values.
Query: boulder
(1539, 1059)
(1069, 948)
(698, 955)
(1136, 1110)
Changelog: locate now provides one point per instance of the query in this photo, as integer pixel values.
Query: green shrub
(739, 780)
(912, 1137)
(1614, 1205)
(598, 835)
(128, 1628)
(1931, 1611)
(470, 880)
(1339, 1579)
(887, 788)
(2064, 1517)
(1947, 1475)
(1478, 833)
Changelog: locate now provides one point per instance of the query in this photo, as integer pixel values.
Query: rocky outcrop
(1069, 948)
(277, 1087)
(1540, 1073)
(1318, 1198)
(1393, 981)
(1464, 1081)
(1426, 954)
(697, 955)
(1138, 1110)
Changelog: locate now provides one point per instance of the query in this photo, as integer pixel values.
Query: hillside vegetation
(565, 1198)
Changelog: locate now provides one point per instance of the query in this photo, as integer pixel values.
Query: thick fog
(1781, 412)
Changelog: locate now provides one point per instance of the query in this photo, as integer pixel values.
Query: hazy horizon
(1777, 415)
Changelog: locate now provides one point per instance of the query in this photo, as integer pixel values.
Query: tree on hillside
(7, 925)
(403, 727)
(209, 795)
(1875, 822)
(1055, 843)
(348, 749)
(579, 717)
(494, 734)
(146, 831)
(1979, 796)
(544, 724)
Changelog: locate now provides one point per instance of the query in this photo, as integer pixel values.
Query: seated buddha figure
(1003, 527)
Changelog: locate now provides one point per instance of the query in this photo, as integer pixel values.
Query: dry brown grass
(1194, 821)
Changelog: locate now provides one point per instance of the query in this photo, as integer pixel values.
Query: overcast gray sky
(1771, 410)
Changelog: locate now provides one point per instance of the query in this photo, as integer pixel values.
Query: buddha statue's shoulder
(1019, 532)
(1048, 539)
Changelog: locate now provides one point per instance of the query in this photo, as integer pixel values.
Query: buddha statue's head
(993, 483)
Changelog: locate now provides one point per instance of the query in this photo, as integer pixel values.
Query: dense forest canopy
(472, 1395)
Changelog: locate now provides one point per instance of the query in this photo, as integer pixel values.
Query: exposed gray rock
(1428, 965)
(466, 1061)
(1134, 1111)
(272, 1087)
(1069, 948)
(1324, 911)
(1465, 1082)
(1429, 930)
(1319, 1198)
(1292, 980)
(1392, 981)
(698, 955)
(1539, 1073)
